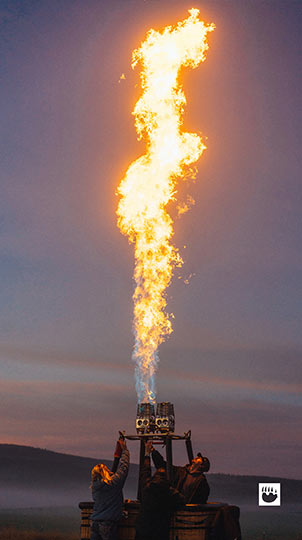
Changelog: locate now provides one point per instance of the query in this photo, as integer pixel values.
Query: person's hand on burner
(148, 448)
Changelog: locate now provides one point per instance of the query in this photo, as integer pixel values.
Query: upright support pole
(169, 459)
(141, 463)
(189, 449)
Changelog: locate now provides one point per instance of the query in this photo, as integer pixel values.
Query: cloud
(235, 378)
(44, 356)
(84, 419)
(221, 383)
(71, 417)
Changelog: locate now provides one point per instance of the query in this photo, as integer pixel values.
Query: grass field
(16, 534)
(276, 523)
(45, 523)
(63, 523)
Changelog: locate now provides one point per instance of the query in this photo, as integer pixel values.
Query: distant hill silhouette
(38, 477)
(36, 467)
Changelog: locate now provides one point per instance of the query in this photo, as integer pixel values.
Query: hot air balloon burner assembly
(148, 422)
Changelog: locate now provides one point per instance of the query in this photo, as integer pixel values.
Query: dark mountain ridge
(25, 465)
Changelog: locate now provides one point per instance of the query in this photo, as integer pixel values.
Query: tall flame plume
(150, 183)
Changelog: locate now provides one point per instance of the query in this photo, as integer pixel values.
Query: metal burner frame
(158, 439)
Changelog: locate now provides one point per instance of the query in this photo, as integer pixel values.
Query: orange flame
(149, 183)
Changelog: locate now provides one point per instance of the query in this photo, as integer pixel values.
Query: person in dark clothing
(158, 502)
(107, 494)
(188, 480)
(226, 525)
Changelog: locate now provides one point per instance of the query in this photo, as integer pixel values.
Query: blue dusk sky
(232, 366)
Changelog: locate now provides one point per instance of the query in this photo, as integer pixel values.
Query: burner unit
(145, 418)
(165, 419)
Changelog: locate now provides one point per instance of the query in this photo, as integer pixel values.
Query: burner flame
(150, 183)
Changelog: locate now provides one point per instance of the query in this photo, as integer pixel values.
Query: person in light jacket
(107, 494)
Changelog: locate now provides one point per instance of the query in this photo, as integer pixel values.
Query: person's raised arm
(120, 476)
(117, 455)
(158, 460)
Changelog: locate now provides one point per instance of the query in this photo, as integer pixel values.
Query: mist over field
(41, 490)
(38, 477)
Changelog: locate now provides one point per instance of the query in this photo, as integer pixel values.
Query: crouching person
(159, 501)
(107, 494)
